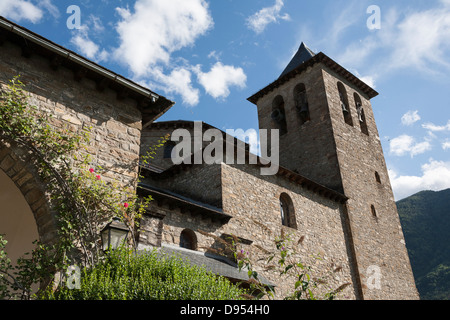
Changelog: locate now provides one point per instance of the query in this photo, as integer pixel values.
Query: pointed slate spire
(303, 54)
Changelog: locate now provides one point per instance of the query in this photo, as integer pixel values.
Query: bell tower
(329, 135)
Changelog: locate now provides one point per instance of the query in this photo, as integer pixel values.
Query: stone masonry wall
(344, 157)
(378, 236)
(115, 124)
(163, 224)
(198, 182)
(150, 139)
(253, 201)
(310, 140)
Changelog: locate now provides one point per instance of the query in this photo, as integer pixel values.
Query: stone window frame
(361, 117)
(278, 103)
(188, 239)
(374, 212)
(287, 211)
(299, 89)
(343, 98)
(377, 177)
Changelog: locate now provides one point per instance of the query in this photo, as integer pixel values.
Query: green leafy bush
(146, 276)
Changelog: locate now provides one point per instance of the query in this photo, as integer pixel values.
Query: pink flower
(98, 177)
(125, 204)
(91, 170)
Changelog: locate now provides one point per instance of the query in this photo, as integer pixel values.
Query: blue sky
(210, 56)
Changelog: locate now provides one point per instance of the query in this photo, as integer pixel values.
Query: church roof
(303, 54)
(305, 58)
(216, 264)
(181, 201)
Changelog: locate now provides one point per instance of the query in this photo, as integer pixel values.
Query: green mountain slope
(425, 219)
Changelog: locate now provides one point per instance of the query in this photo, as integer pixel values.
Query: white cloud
(446, 145)
(261, 19)
(249, 136)
(432, 127)
(220, 78)
(410, 118)
(356, 53)
(405, 144)
(96, 22)
(435, 130)
(85, 46)
(423, 37)
(407, 39)
(214, 55)
(178, 82)
(344, 18)
(20, 10)
(50, 7)
(369, 80)
(156, 29)
(435, 176)
(152, 32)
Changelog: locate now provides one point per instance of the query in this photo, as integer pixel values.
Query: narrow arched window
(278, 115)
(374, 212)
(287, 211)
(361, 115)
(188, 239)
(343, 100)
(301, 103)
(377, 177)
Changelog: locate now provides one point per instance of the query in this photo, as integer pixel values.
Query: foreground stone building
(331, 193)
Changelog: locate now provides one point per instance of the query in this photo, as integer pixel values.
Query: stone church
(331, 193)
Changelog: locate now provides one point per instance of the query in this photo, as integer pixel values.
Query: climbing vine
(305, 281)
(77, 191)
(306, 284)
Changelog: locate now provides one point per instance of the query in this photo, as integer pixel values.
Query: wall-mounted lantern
(114, 234)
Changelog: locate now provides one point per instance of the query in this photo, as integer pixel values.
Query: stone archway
(25, 213)
(17, 223)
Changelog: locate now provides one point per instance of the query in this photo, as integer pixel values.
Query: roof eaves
(318, 58)
(143, 93)
(218, 265)
(185, 202)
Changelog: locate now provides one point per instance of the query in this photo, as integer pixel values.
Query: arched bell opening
(278, 115)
